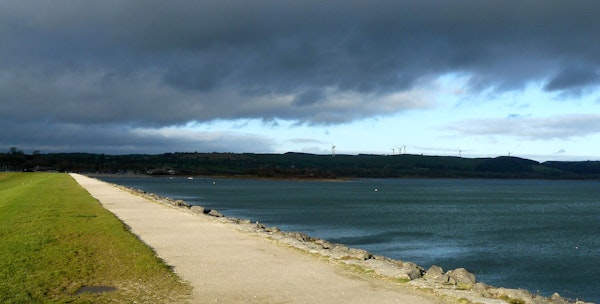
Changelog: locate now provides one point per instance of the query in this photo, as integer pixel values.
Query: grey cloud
(309, 97)
(573, 78)
(556, 127)
(306, 141)
(118, 139)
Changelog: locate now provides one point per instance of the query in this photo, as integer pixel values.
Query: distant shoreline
(304, 166)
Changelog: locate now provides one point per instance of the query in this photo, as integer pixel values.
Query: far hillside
(300, 165)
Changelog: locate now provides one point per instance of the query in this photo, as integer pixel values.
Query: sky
(463, 78)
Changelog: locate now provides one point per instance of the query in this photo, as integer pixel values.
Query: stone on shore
(412, 271)
(180, 203)
(514, 295)
(324, 244)
(197, 209)
(435, 274)
(557, 299)
(481, 289)
(462, 278)
(214, 213)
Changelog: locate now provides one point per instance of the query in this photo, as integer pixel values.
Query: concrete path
(228, 266)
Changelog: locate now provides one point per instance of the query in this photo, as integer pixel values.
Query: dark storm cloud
(118, 139)
(573, 78)
(163, 63)
(308, 98)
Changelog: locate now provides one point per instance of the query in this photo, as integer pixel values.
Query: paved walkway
(228, 266)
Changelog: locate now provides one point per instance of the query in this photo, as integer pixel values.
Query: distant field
(58, 244)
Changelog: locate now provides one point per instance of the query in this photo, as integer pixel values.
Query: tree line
(298, 165)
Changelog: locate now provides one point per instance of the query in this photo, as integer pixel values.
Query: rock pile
(458, 283)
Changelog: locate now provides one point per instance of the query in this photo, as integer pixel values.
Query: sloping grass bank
(59, 245)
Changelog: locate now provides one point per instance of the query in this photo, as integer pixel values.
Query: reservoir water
(539, 235)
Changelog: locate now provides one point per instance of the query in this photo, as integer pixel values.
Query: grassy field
(59, 245)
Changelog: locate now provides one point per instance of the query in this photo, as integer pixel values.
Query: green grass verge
(55, 239)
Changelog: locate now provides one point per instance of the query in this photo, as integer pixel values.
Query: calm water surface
(539, 235)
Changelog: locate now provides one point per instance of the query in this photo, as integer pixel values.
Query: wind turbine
(459, 152)
(332, 150)
(404, 149)
(394, 151)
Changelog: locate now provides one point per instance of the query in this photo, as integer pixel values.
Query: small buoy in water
(214, 183)
(576, 247)
(375, 189)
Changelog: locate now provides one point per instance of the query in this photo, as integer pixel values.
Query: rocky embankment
(458, 284)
